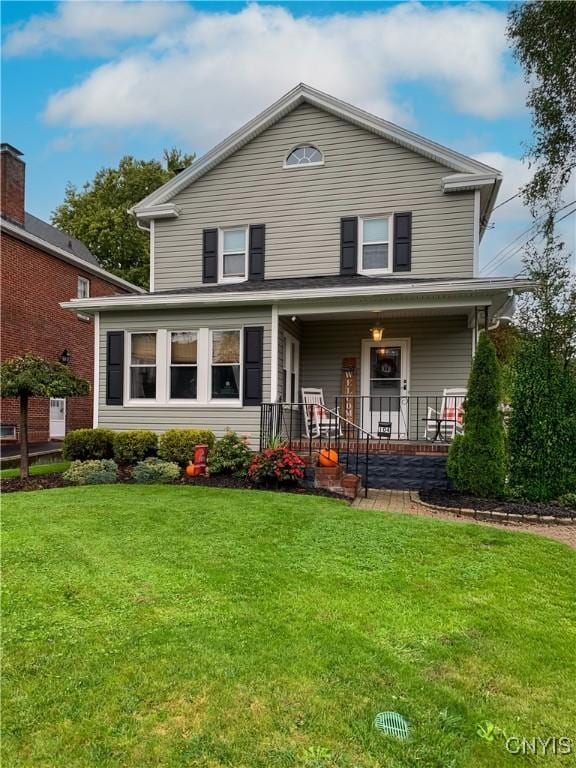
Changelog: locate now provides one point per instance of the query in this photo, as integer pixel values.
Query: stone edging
(503, 517)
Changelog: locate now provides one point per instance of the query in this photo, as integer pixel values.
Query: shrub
(542, 429)
(85, 444)
(276, 466)
(178, 444)
(134, 445)
(95, 472)
(568, 500)
(230, 456)
(153, 470)
(477, 462)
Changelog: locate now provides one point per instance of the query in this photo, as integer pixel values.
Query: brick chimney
(12, 178)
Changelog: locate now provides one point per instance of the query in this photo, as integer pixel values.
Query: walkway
(409, 502)
(12, 450)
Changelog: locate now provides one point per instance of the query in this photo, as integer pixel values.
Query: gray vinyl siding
(244, 420)
(301, 208)
(440, 352)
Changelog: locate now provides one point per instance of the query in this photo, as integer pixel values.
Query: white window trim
(128, 367)
(361, 244)
(225, 401)
(291, 397)
(235, 278)
(82, 280)
(298, 166)
(200, 353)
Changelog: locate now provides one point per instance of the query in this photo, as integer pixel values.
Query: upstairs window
(304, 155)
(83, 291)
(374, 234)
(234, 247)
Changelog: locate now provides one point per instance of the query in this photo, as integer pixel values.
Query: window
(7, 431)
(233, 245)
(183, 365)
(375, 244)
(304, 155)
(143, 366)
(83, 291)
(290, 370)
(225, 365)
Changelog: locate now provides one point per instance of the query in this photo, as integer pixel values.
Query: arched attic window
(304, 155)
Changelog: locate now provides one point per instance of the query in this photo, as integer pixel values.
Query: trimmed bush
(542, 427)
(230, 456)
(477, 462)
(153, 470)
(95, 472)
(276, 466)
(86, 444)
(134, 445)
(178, 444)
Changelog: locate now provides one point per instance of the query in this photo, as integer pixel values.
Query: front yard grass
(36, 469)
(176, 626)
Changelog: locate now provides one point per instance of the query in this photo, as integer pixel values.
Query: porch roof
(325, 288)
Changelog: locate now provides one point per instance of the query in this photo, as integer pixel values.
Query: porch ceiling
(390, 313)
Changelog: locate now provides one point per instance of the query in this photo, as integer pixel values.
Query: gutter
(153, 300)
(54, 250)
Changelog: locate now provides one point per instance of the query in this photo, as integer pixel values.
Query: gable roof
(56, 237)
(155, 204)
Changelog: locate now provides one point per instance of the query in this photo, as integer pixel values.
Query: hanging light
(64, 357)
(377, 332)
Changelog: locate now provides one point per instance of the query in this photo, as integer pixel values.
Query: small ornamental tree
(477, 460)
(32, 376)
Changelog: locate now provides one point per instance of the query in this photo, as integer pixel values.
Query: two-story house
(317, 247)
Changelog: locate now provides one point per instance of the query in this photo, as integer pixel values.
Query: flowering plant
(276, 466)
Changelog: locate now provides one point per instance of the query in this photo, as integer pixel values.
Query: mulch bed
(55, 480)
(455, 500)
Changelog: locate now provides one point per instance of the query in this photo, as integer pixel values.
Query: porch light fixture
(377, 332)
(64, 357)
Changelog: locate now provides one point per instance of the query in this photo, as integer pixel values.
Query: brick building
(41, 267)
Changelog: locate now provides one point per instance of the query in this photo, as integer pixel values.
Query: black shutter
(210, 256)
(253, 361)
(115, 368)
(256, 252)
(402, 242)
(349, 246)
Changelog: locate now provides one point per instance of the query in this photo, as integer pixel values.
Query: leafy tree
(32, 376)
(98, 214)
(542, 430)
(544, 42)
(477, 460)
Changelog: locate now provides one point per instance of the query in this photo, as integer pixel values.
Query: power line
(506, 201)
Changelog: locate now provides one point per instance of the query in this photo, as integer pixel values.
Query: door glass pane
(375, 256)
(234, 240)
(226, 347)
(183, 347)
(375, 230)
(385, 378)
(143, 349)
(385, 363)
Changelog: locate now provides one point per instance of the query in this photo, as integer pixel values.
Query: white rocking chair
(449, 421)
(318, 420)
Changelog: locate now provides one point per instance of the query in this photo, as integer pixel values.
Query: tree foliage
(477, 460)
(542, 431)
(544, 42)
(98, 214)
(32, 376)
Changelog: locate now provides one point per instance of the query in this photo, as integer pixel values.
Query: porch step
(333, 479)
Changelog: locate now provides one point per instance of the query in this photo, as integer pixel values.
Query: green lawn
(36, 469)
(178, 626)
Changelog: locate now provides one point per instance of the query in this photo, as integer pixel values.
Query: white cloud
(91, 27)
(217, 70)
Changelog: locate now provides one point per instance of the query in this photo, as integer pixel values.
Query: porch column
(274, 355)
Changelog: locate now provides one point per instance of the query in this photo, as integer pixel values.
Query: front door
(57, 418)
(385, 366)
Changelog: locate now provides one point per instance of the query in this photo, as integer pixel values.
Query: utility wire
(506, 201)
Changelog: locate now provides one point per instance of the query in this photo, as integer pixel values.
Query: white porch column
(274, 355)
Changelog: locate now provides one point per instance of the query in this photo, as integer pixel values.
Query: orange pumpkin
(328, 458)
(191, 469)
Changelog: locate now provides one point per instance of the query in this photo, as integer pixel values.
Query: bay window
(225, 365)
(183, 365)
(142, 366)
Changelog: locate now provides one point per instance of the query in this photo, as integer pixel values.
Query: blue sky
(85, 83)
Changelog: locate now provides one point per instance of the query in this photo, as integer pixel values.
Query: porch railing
(359, 424)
